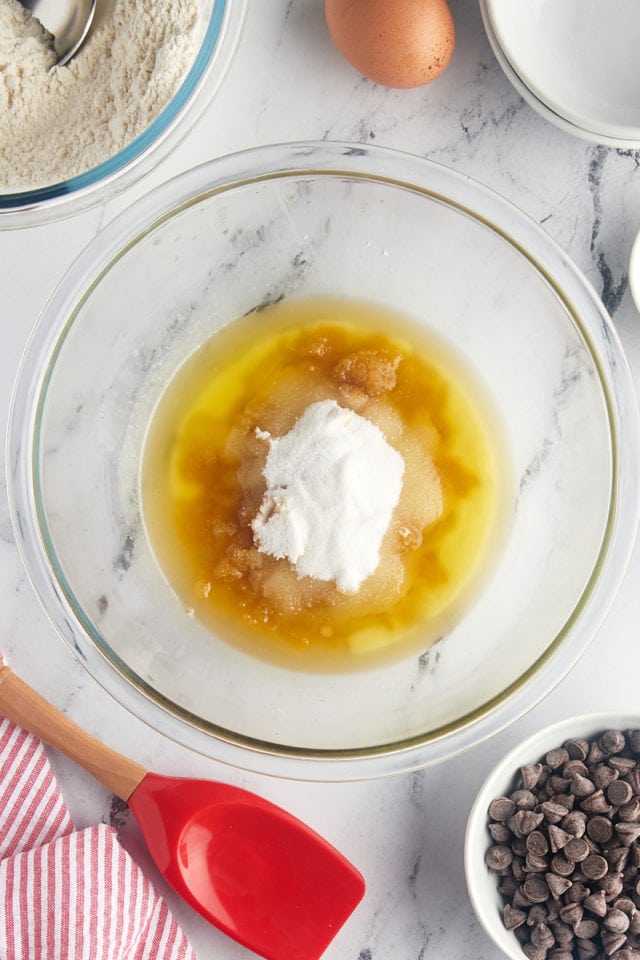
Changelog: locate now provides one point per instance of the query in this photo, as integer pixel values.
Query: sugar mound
(333, 482)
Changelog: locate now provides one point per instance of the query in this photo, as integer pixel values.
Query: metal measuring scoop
(67, 20)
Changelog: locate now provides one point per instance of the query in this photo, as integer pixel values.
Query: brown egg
(399, 43)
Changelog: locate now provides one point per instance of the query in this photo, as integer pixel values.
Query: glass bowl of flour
(324, 458)
(74, 135)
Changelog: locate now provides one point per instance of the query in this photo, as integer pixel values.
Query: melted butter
(201, 484)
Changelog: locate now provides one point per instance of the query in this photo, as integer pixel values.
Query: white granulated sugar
(333, 482)
(57, 123)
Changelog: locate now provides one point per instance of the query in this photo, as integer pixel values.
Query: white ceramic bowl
(518, 32)
(323, 219)
(482, 885)
(579, 58)
(634, 271)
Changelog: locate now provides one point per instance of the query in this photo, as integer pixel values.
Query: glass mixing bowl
(343, 220)
(224, 19)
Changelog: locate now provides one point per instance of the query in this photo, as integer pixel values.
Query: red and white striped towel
(68, 894)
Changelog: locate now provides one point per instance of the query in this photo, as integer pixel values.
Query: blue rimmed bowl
(224, 20)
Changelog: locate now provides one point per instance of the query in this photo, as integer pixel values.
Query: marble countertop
(288, 82)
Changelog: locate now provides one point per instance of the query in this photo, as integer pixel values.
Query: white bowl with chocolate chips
(552, 850)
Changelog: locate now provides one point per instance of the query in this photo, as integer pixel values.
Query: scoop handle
(21, 704)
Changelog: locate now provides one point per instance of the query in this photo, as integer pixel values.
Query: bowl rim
(529, 750)
(404, 170)
(135, 160)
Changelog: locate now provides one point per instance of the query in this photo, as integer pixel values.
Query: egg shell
(398, 43)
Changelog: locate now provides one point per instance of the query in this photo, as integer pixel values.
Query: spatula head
(252, 869)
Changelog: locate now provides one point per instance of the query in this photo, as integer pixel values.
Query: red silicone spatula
(256, 872)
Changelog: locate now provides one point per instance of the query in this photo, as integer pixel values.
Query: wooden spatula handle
(22, 705)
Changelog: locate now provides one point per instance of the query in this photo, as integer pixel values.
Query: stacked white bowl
(574, 62)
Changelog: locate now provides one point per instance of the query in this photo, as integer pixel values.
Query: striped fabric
(69, 894)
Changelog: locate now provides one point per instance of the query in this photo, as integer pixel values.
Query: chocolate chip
(557, 885)
(535, 890)
(538, 913)
(559, 785)
(541, 936)
(628, 833)
(612, 741)
(572, 914)
(575, 823)
(507, 886)
(617, 858)
(513, 918)
(587, 950)
(633, 778)
(619, 793)
(561, 866)
(612, 885)
(625, 904)
(563, 933)
(500, 832)
(520, 899)
(499, 857)
(596, 903)
(596, 753)
(599, 829)
(530, 775)
(595, 867)
(603, 775)
(537, 844)
(524, 799)
(587, 929)
(535, 864)
(553, 812)
(534, 953)
(576, 850)
(628, 953)
(623, 765)
(501, 808)
(612, 942)
(559, 954)
(577, 892)
(596, 803)
(557, 758)
(558, 838)
(616, 921)
(524, 822)
(630, 812)
(578, 749)
(553, 910)
(582, 787)
(574, 767)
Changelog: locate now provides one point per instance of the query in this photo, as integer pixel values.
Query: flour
(333, 482)
(56, 123)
